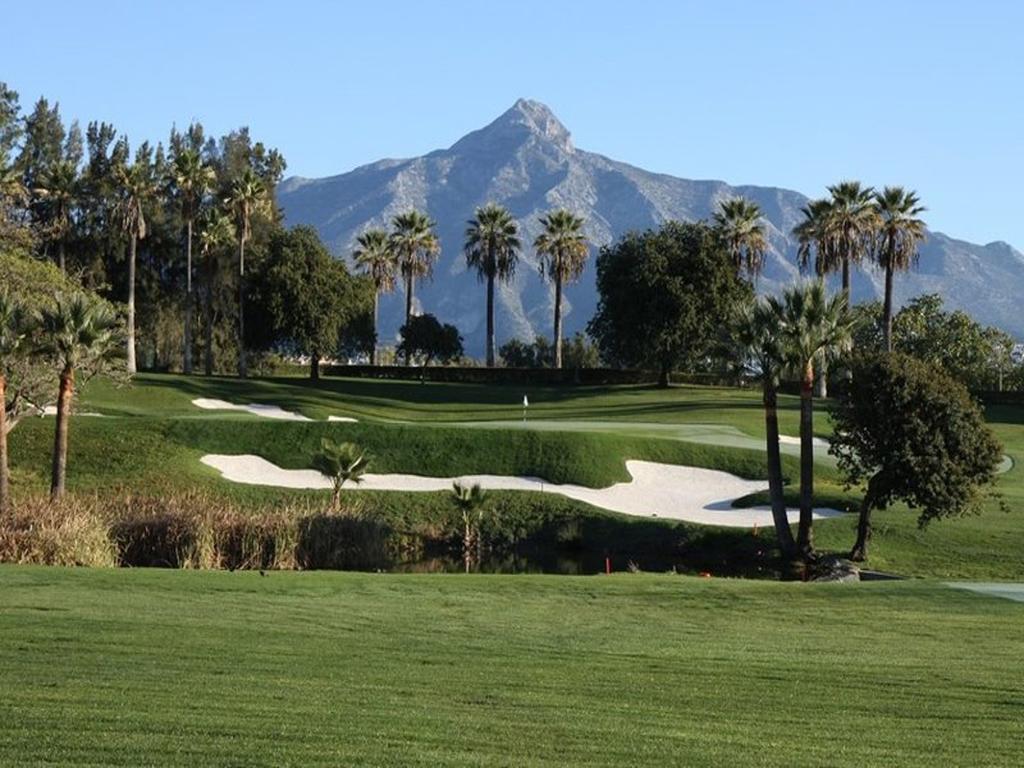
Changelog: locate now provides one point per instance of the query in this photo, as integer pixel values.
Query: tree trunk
(243, 364)
(490, 322)
(131, 304)
(5, 478)
(805, 535)
(821, 388)
(663, 374)
(314, 366)
(187, 358)
(409, 285)
(887, 307)
(60, 434)
(208, 320)
(859, 553)
(846, 279)
(558, 322)
(60, 257)
(376, 304)
(775, 490)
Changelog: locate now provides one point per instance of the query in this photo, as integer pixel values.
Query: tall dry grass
(193, 530)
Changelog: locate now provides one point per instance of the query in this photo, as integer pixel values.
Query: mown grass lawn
(134, 667)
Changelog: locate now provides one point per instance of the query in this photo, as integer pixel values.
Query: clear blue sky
(929, 94)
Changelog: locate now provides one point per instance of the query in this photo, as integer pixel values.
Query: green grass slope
(153, 437)
(137, 667)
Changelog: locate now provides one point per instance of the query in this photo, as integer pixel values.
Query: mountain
(526, 161)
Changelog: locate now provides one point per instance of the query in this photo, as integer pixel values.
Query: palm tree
(341, 463)
(59, 190)
(373, 253)
(899, 233)
(78, 333)
(137, 189)
(470, 500)
(248, 197)
(739, 223)
(415, 247)
(492, 248)
(756, 336)
(216, 234)
(562, 249)
(813, 329)
(13, 328)
(852, 222)
(814, 246)
(190, 180)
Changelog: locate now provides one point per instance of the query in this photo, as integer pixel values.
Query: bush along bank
(518, 532)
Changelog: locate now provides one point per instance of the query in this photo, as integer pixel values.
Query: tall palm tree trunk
(490, 321)
(60, 434)
(131, 304)
(805, 536)
(409, 286)
(376, 308)
(558, 322)
(5, 479)
(778, 501)
(887, 307)
(243, 364)
(60, 257)
(846, 279)
(187, 358)
(208, 321)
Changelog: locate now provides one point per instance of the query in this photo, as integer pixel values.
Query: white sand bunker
(51, 410)
(257, 409)
(657, 490)
(346, 419)
(817, 442)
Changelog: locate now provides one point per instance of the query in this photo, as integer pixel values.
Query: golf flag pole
(526, 404)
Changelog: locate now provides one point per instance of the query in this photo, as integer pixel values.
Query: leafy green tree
(79, 335)
(415, 247)
(755, 332)
(190, 180)
(14, 329)
(375, 257)
(58, 192)
(739, 223)
(664, 297)
(562, 249)
(515, 353)
(470, 501)
(137, 190)
(306, 295)
(813, 329)
(492, 249)
(341, 463)
(427, 340)
(247, 198)
(899, 233)
(580, 352)
(973, 354)
(216, 234)
(909, 432)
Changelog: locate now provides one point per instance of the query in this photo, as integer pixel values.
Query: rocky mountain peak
(525, 120)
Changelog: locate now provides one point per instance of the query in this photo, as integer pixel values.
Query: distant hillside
(526, 161)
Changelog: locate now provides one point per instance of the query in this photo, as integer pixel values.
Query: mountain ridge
(526, 160)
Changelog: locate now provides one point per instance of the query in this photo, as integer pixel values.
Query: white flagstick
(526, 404)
